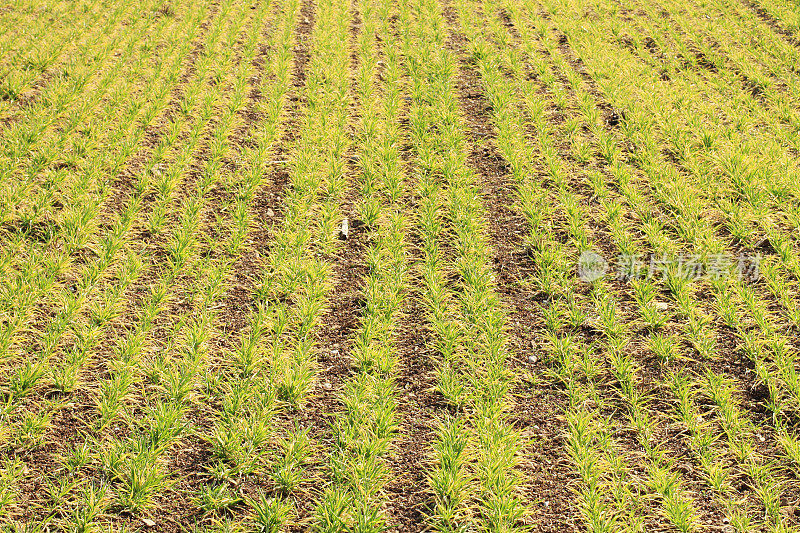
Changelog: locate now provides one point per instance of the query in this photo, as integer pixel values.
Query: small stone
(662, 306)
(270, 213)
(533, 359)
(344, 230)
(148, 523)
(327, 385)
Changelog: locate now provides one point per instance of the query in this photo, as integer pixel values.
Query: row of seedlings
(697, 321)
(741, 307)
(137, 452)
(63, 99)
(81, 310)
(660, 475)
(48, 54)
(474, 478)
(241, 402)
(363, 431)
(274, 366)
(46, 263)
(72, 478)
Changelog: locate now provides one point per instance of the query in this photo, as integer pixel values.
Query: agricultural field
(400, 266)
